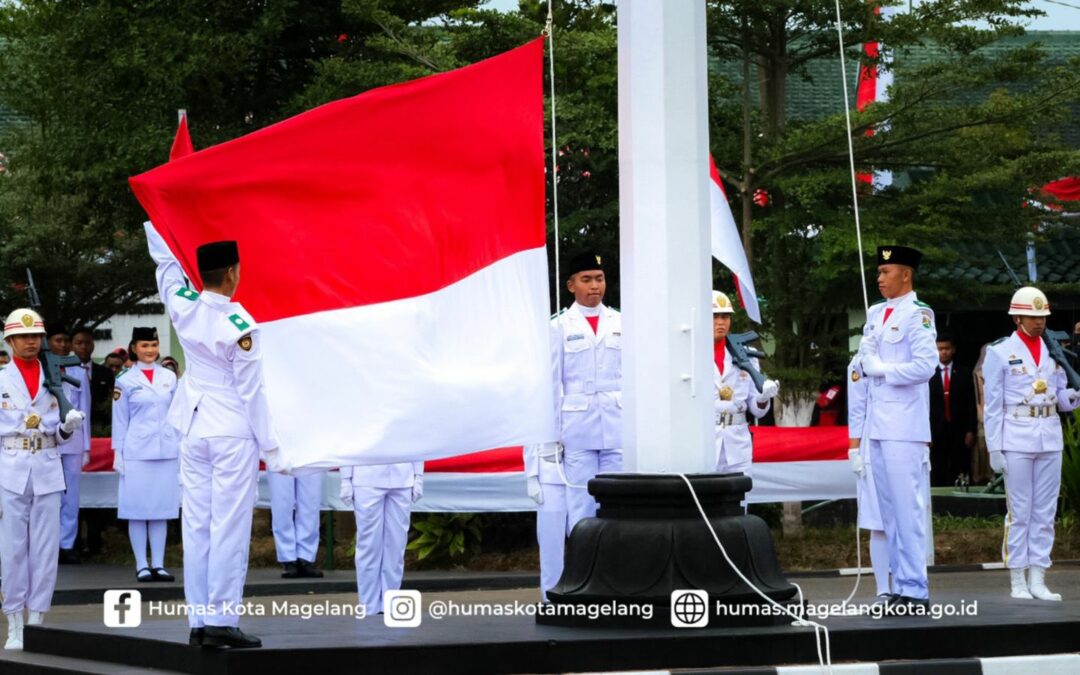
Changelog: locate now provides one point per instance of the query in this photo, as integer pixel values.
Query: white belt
(731, 419)
(1032, 411)
(31, 443)
(589, 387)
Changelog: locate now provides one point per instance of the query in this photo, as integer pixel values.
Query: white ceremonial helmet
(24, 322)
(721, 304)
(1029, 301)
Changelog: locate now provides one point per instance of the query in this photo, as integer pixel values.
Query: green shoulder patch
(238, 321)
(878, 302)
(920, 303)
(558, 313)
(999, 341)
(187, 294)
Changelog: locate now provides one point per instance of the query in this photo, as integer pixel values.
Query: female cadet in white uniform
(146, 452)
(1024, 391)
(382, 496)
(547, 488)
(734, 395)
(31, 477)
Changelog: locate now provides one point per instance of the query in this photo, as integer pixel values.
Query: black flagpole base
(649, 541)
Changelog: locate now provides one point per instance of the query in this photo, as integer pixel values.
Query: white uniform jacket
(79, 398)
(139, 412)
(733, 440)
(1010, 395)
(16, 464)
(221, 344)
(898, 404)
(385, 476)
(587, 371)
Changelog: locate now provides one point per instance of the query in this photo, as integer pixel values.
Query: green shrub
(444, 535)
(1070, 467)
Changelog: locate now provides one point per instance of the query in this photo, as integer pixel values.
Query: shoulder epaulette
(999, 341)
(187, 294)
(872, 304)
(557, 314)
(239, 322)
(920, 303)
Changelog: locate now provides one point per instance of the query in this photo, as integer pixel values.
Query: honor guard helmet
(1029, 301)
(721, 303)
(24, 322)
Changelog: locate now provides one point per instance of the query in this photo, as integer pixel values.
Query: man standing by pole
(221, 413)
(898, 353)
(586, 345)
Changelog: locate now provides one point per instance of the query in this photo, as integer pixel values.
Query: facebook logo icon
(123, 609)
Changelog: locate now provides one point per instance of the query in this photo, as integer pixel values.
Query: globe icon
(689, 608)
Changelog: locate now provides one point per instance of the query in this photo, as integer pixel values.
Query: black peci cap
(585, 261)
(144, 334)
(899, 255)
(217, 255)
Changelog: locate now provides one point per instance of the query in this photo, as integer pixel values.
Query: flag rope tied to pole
(549, 31)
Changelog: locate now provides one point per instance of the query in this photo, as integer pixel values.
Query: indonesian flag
(393, 254)
(181, 146)
(875, 78)
(727, 244)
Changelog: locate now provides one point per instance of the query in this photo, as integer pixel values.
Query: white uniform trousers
(294, 509)
(382, 530)
(29, 538)
(581, 466)
(902, 476)
(219, 476)
(69, 501)
(552, 529)
(1032, 482)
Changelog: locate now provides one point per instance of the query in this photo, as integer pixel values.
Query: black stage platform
(514, 645)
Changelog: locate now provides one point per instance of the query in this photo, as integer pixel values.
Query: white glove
(855, 458)
(417, 489)
(535, 493)
(768, 391)
(345, 492)
(1073, 396)
(72, 422)
(272, 458)
(85, 459)
(873, 366)
(868, 345)
(997, 461)
(159, 250)
(118, 463)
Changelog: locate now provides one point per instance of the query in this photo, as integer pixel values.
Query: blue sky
(1060, 15)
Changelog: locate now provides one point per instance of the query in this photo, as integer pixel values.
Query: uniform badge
(1039, 386)
(726, 393)
(578, 336)
(33, 420)
(886, 254)
(27, 320)
(239, 322)
(1013, 361)
(245, 343)
(599, 262)
(1037, 303)
(927, 319)
(855, 376)
(116, 394)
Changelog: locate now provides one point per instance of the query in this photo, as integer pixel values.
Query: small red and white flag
(727, 244)
(393, 253)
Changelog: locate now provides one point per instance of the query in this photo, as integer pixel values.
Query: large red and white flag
(875, 78)
(727, 244)
(393, 253)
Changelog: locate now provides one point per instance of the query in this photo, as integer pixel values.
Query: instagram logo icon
(402, 609)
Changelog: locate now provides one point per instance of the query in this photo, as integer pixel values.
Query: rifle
(51, 363)
(742, 352)
(1052, 338)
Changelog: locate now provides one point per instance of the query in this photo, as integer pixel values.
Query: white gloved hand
(417, 489)
(72, 422)
(118, 463)
(85, 459)
(868, 346)
(535, 492)
(768, 391)
(855, 458)
(1073, 396)
(997, 461)
(272, 459)
(345, 491)
(873, 366)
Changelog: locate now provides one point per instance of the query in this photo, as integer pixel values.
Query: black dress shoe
(903, 605)
(221, 636)
(307, 569)
(144, 575)
(292, 570)
(195, 638)
(160, 574)
(69, 556)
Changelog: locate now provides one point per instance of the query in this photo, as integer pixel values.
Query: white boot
(1038, 585)
(1019, 584)
(14, 631)
(34, 618)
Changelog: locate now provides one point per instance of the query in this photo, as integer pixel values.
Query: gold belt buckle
(1031, 411)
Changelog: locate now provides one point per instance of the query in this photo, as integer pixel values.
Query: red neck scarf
(31, 373)
(888, 311)
(149, 374)
(719, 350)
(1033, 344)
(594, 321)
